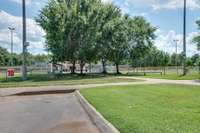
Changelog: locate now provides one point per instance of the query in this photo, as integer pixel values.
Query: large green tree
(120, 40)
(108, 13)
(142, 36)
(71, 30)
(51, 19)
(88, 19)
(197, 38)
(85, 31)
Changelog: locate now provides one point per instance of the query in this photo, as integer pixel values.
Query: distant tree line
(5, 58)
(158, 58)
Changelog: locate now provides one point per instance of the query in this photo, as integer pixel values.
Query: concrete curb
(102, 124)
(42, 92)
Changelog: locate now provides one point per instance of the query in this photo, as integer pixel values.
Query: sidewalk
(10, 91)
(166, 81)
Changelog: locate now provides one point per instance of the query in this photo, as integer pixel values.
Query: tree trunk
(53, 68)
(117, 68)
(164, 71)
(73, 67)
(81, 67)
(104, 66)
(144, 70)
(90, 68)
(61, 69)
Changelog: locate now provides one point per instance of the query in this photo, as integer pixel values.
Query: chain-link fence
(160, 70)
(94, 68)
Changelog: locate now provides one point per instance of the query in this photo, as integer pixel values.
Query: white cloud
(36, 3)
(144, 14)
(125, 8)
(164, 4)
(165, 42)
(34, 32)
(20, 1)
(107, 1)
(174, 4)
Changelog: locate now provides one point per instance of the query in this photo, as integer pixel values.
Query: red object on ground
(11, 72)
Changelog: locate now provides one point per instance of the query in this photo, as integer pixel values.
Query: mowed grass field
(158, 108)
(35, 80)
(168, 75)
(174, 76)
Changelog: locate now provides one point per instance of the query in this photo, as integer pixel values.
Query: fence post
(6, 72)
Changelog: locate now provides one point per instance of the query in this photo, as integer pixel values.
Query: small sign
(11, 72)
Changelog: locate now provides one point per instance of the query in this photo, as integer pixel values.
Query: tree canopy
(197, 38)
(85, 31)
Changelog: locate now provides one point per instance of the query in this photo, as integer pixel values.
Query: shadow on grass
(172, 76)
(57, 77)
(78, 77)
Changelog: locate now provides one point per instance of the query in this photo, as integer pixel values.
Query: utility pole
(184, 39)
(11, 42)
(176, 43)
(24, 70)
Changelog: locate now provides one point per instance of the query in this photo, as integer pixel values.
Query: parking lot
(49, 113)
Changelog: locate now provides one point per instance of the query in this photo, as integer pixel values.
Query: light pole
(176, 43)
(11, 42)
(184, 39)
(24, 70)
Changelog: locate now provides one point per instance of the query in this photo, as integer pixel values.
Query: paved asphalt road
(53, 113)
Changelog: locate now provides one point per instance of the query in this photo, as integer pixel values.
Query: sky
(166, 15)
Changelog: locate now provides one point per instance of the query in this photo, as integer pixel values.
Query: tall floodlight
(24, 71)
(184, 39)
(176, 43)
(11, 44)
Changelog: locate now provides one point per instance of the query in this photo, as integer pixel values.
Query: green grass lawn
(48, 80)
(149, 108)
(172, 76)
